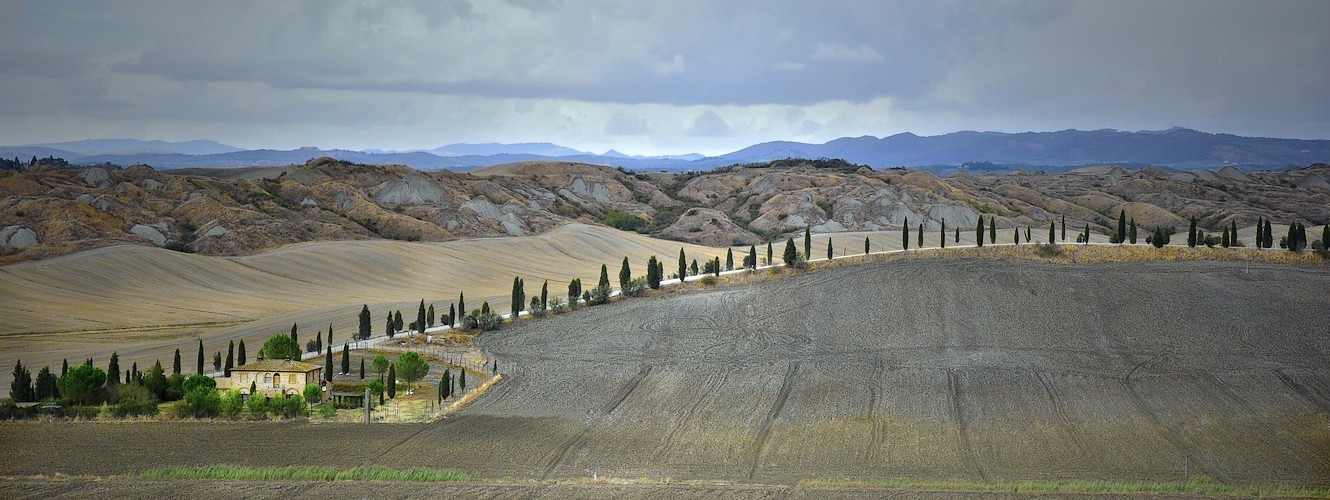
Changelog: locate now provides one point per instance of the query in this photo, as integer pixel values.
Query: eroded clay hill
(227, 212)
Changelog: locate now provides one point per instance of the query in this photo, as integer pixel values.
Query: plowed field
(957, 369)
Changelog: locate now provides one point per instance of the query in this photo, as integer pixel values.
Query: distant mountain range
(1176, 148)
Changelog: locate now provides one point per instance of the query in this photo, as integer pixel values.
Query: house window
(267, 379)
(292, 378)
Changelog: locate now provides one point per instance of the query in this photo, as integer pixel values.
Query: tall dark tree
(398, 325)
(392, 381)
(905, 234)
(692, 268)
(230, 358)
(604, 281)
(1325, 237)
(715, 266)
(573, 293)
(957, 239)
(1064, 227)
(216, 361)
(46, 386)
(389, 326)
(790, 255)
(1050, 232)
(452, 315)
(942, 235)
(545, 294)
(921, 235)
(1131, 231)
(362, 368)
(683, 266)
(769, 254)
(653, 275)
(200, 369)
(114, 369)
(461, 304)
(1122, 226)
(518, 297)
(295, 335)
(64, 367)
(1269, 235)
(1233, 233)
(1191, 233)
(729, 259)
(429, 318)
(328, 364)
(1223, 240)
(866, 245)
(752, 256)
(625, 274)
(992, 230)
(830, 252)
(1027, 234)
(240, 353)
(1016, 235)
(979, 232)
(346, 358)
(364, 332)
(808, 243)
(20, 388)
(1087, 233)
(175, 365)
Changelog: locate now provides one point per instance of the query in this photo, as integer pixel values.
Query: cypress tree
(604, 277)
(1027, 234)
(112, 368)
(461, 381)
(64, 367)
(200, 369)
(921, 235)
(1191, 233)
(1087, 233)
(318, 342)
(790, 254)
(175, 365)
(388, 326)
(715, 266)
(1064, 227)
(429, 318)
(21, 389)
(1131, 231)
(979, 232)
(217, 361)
(1016, 235)
(461, 304)
(397, 321)
(625, 274)
(729, 259)
(992, 230)
(294, 334)
(905, 234)
(240, 353)
(1122, 226)
(830, 252)
(364, 331)
(1325, 237)
(346, 358)
(362, 368)
(230, 357)
(452, 315)
(1223, 240)
(683, 266)
(545, 292)
(328, 365)
(866, 245)
(942, 235)
(517, 298)
(1050, 232)
(392, 380)
(1269, 234)
(446, 383)
(653, 273)
(808, 243)
(752, 254)
(957, 239)
(769, 254)
(1233, 233)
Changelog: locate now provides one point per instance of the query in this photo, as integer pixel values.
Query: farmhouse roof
(276, 365)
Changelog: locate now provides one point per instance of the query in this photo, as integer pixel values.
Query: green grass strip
(1197, 486)
(299, 473)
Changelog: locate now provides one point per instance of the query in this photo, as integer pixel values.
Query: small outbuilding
(275, 377)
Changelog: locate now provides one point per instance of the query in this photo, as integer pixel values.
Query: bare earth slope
(146, 302)
(948, 369)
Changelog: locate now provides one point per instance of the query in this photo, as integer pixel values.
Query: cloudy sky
(652, 77)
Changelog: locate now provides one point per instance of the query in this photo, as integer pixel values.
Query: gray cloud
(681, 75)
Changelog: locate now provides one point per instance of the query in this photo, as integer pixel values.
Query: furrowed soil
(972, 370)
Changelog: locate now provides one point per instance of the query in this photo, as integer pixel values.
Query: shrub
(636, 286)
(178, 246)
(1048, 250)
(708, 280)
(557, 306)
(257, 406)
(200, 403)
(290, 407)
(626, 221)
(232, 403)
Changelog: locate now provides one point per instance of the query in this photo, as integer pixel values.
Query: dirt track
(956, 369)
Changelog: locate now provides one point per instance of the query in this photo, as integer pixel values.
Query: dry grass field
(965, 370)
(146, 302)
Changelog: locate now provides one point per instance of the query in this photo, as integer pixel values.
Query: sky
(671, 77)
